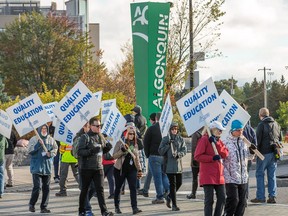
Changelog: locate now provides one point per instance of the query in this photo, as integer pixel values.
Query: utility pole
(232, 86)
(191, 65)
(264, 85)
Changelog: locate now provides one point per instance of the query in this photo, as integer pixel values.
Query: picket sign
(206, 128)
(62, 133)
(106, 105)
(98, 96)
(5, 124)
(199, 106)
(246, 141)
(49, 109)
(28, 114)
(77, 107)
(166, 117)
(231, 111)
(114, 125)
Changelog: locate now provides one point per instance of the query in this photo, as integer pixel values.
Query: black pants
(87, 176)
(37, 179)
(209, 199)
(120, 177)
(175, 181)
(236, 199)
(195, 172)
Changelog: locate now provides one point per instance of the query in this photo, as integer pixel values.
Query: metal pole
(191, 65)
(264, 85)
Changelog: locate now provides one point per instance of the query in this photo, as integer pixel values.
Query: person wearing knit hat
(140, 120)
(211, 176)
(235, 170)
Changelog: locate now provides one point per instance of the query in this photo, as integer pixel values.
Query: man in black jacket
(91, 147)
(268, 133)
(152, 142)
(139, 121)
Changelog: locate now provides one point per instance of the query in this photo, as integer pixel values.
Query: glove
(124, 148)
(139, 174)
(251, 148)
(95, 150)
(212, 139)
(109, 146)
(216, 157)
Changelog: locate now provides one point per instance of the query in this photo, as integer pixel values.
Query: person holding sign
(128, 167)
(211, 168)
(90, 151)
(173, 148)
(235, 170)
(40, 166)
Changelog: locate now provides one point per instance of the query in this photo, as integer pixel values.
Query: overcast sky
(254, 35)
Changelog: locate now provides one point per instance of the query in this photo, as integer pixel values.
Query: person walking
(173, 148)
(40, 166)
(194, 164)
(3, 146)
(211, 168)
(91, 147)
(139, 120)
(9, 157)
(235, 170)
(67, 160)
(145, 190)
(268, 134)
(152, 140)
(128, 167)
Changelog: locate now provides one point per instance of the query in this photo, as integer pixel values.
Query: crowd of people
(219, 165)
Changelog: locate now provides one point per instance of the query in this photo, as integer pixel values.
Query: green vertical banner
(150, 22)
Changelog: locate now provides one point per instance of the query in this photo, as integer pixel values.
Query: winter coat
(235, 164)
(268, 132)
(65, 150)
(39, 164)
(210, 172)
(87, 159)
(152, 140)
(173, 162)
(120, 156)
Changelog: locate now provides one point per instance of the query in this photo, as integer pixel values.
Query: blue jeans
(147, 182)
(161, 181)
(2, 180)
(269, 164)
(37, 187)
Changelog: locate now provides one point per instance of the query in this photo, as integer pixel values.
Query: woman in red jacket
(211, 168)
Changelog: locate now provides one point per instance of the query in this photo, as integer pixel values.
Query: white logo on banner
(98, 96)
(106, 105)
(28, 114)
(140, 16)
(114, 125)
(199, 106)
(166, 117)
(77, 107)
(231, 111)
(5, 124)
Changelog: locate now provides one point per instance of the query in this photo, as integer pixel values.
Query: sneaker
(168, 201)
(31, 208)
(111, 196)
(143, 193)
(56, 180)
(157, 201)
(271, 200)
(9, 185)
(117, 210)
(89, 213)
(257, 201)
(107, 213)
(45, 210)
(191, 196)
(175, 208)
(61, 194)
(136, 211)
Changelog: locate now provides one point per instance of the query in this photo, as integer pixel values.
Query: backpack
(75, 144)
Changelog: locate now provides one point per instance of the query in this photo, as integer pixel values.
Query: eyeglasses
(219, 130)
(131, 133)
(174, 128)
(96, 125)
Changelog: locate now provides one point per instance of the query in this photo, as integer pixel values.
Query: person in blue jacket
(42, 152)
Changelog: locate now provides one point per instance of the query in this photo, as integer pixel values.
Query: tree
(36, 49)
(3, 96)
(206, 24)
(282, 112)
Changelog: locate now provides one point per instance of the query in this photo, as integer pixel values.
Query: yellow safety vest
(65, 150)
